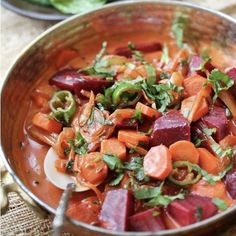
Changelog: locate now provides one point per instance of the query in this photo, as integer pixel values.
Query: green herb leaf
(138, 116)
(220, 81)
(165, 54)
(69, 165)
(137, 54)
(222, 153)
(178, 27)
(220, 203)
(112, 161)
(155, 213)
(151, 74)
(146, 193)
(117, 180)
(209, 131)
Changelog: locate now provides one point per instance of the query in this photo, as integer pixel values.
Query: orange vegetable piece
(60, 165)
(147, 111)
(228, 141)
(187, 105)
(218, 190)
(46, 123)
(157, 162)
(193, 84)
(229, 101)
(93, 169)
(184, 151)
(133, 137)
(114, 146)
(208, 161)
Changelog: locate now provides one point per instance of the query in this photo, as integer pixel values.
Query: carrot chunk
(114, 146)
(228, 141)
(46, 123)
(208, 161)
(157, 162)
(184, 151)
(147, 111)
(133, 137)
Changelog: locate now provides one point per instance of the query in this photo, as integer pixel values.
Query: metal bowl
(120, 18)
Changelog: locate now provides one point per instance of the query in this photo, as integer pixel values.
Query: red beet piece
(149, 220)
(144, 47)
(116, 208)
(216, 118)
(230, 181)
(191, 209)
(195, 62)
(232, 74)
(94, 83)
(169, 129)
(65, 79)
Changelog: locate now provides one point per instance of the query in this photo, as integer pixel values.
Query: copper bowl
(111, 20)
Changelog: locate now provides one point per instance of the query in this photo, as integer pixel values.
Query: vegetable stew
(148, 127)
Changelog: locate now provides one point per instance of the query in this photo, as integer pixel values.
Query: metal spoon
(57, 178)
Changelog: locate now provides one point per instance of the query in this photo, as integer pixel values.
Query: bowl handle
(8, 185)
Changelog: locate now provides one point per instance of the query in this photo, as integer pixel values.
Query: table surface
(16, 32)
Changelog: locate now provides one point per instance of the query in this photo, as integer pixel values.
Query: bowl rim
(51, 210)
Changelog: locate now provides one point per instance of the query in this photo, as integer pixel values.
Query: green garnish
(220, 203)
(165, 54)
(198, 213)
(209, 131)
(151, 74)
(178, 27)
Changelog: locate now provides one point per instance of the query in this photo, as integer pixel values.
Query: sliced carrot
(133, 137)
(177, 79)
(119, 115)
(228, 141)
(193, 84)
(93, 169)
(187, 106)
(208, 161)
(147, 111)
(114, 146)
(229, 101)
(46, 123)
(60, 165)
(232, 126)
(157, 162)
(218, 190)
(184, 151)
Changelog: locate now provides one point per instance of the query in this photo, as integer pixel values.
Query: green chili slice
(63, 106)
(183, 173)
(126, 94)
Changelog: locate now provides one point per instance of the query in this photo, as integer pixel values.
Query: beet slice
(149, 220)
(196, 62)
(216, 118)
(65, 79)
(169, 129)
(230, 181)
(191, 209)
(232, 74)
(144, 47)
(116, 208)
(74, 81)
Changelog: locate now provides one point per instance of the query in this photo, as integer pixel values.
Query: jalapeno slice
(126, 94)
(63, 106)
(184, 173)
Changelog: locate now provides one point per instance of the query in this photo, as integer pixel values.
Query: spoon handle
(60, 212)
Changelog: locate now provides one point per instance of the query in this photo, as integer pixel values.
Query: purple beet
(149, 220)
(232, 74)
(216, 118)
(65, 79)
(170, 128)
(116, 208)
(195, 62)
(144, 47)
(72, 80)
(191, 209)
(230, 181)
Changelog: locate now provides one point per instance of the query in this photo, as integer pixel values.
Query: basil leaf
(178, 27)
(76, 6)
(112, 161)
(220, 81)
(220, 203)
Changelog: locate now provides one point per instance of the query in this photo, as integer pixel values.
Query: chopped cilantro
(69, 165)
(222, 153)
(151, 74)
(209, 131)
(165, 54)
(138, 116)
(112, 161)
(117, 180)
(178, 27)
